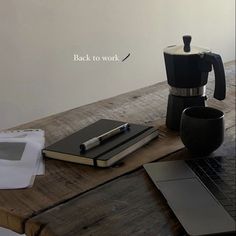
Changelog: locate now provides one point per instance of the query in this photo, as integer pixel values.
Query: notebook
(106, 154)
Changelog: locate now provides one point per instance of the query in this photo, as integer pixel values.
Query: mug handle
(220, 85)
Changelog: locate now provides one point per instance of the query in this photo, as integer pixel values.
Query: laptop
(200, 192)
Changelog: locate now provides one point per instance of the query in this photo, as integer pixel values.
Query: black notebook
(107, 153)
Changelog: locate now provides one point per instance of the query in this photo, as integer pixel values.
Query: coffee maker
(187, 69)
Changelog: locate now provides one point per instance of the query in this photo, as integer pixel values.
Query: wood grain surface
(129, 205)
(64, 182)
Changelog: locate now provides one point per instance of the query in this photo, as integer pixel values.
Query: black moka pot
(187, 71)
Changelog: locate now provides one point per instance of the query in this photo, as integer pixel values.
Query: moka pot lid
(186, 49)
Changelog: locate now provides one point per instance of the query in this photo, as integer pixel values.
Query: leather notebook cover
(71, 144)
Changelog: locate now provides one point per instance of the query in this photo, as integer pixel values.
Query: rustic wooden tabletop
(72, 199)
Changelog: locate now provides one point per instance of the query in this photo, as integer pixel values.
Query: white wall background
(38, 38)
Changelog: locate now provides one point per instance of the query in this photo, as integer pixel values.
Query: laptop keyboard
(218, 175)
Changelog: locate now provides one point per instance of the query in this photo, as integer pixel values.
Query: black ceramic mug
(202, 129)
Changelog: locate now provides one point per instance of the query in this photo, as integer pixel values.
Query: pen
(96, 141)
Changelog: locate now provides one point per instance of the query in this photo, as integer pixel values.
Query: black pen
(96, 141)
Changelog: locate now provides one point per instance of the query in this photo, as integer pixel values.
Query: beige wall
(38, 39)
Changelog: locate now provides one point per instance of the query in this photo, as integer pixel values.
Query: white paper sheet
(19, 171)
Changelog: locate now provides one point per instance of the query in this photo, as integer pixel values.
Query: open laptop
(201, 192)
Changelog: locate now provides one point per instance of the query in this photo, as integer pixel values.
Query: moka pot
(187, 70)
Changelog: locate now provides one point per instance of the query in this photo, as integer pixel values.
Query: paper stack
(20, 158)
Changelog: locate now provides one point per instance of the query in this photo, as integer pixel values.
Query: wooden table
(73, 199)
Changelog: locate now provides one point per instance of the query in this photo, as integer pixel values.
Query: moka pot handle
(220, 85)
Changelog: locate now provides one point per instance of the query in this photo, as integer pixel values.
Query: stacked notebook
(108, 151)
